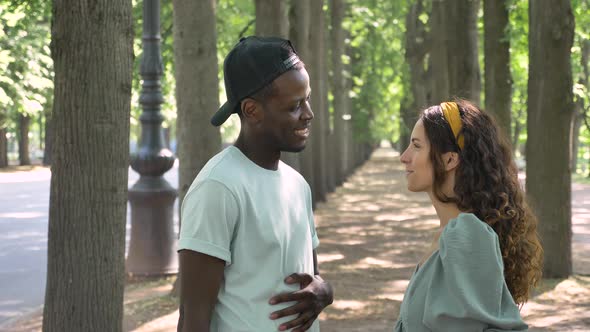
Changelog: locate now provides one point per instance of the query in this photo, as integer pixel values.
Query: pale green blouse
(461, 286)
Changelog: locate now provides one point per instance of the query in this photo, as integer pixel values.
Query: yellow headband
(451, 113)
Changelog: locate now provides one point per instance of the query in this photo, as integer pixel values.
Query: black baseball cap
(250, 66)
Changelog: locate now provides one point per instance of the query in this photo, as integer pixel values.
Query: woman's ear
(251, 110)
(451, 160)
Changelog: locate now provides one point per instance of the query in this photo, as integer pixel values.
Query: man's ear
(450, 160)
(251, 110)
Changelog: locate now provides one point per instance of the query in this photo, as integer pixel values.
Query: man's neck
(258, 152)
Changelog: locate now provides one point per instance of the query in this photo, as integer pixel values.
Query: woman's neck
(444, 211)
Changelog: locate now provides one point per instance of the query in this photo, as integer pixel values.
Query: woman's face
(416, 158)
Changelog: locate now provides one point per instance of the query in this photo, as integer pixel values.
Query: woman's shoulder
(469, 227)
(467, 238)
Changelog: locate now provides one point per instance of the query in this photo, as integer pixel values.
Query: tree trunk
(47, 149)
(3, 148)
(271, 18)
(93, 60)
(338, 145)
(318, 91)
(498, 82)
(24, 156)
(465, 81)
(416, 49)
(299, 23)
(438, 63)
(195, 56)
(550, 106)
(454, 61)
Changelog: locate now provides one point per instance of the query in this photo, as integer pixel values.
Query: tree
(550, 106)
(271, 18)
(299, 30)
(93, 57)
(321, 128)
(416, 48)
(454, 51)
(338, 146)
(23, 139)
(498, 83)
(197, 87)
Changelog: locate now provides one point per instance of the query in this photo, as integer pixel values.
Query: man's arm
(314, 295)
(200, 277)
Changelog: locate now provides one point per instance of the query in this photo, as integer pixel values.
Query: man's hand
(313, 296)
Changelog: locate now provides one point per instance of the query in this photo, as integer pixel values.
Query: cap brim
(222, 114)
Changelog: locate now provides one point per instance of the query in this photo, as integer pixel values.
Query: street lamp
(152, 243)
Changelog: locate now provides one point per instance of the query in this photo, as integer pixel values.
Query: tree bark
(321, 129)
(271, 18)
(498, 81)
(454, 61)
(24, 155)
(197, 88)
(92, 49)
(438, 67)
(299, 23)
(416, 50)
(339, 143)
(550, 106)
(465, 80)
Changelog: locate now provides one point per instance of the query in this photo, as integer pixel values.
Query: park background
(89, 88)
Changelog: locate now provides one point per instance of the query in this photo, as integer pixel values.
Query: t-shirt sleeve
(209, 215)
(315, 241)
(467, 291)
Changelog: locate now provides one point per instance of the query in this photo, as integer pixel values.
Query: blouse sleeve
(468, 291)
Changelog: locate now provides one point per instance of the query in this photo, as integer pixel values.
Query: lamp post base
(152, 246)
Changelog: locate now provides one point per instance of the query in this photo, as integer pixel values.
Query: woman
(486, 255)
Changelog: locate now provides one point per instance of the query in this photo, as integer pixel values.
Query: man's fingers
(301, 320)
(299, 278)
(307, 324)
(288, 297)
(297, 308)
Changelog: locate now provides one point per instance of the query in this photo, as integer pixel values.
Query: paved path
(24, 209)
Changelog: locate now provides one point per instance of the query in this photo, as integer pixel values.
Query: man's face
(287, 113)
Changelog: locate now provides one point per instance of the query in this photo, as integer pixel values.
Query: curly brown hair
(486, 184)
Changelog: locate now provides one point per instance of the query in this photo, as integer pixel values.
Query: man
(247, 242)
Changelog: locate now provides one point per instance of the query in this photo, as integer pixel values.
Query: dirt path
(372, 233)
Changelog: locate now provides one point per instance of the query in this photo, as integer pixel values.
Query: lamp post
(152, 243)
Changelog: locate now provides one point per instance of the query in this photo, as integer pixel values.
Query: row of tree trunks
(92, 50)
(550, 107)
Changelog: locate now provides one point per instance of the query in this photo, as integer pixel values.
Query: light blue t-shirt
(461, 286)
(260, 222)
